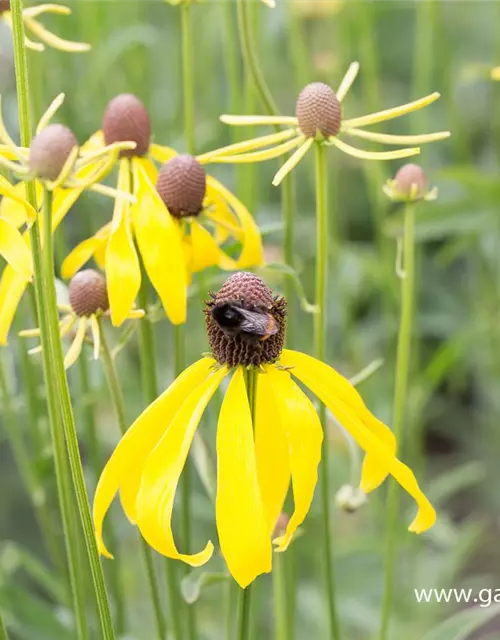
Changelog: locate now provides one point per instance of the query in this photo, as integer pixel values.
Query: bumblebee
(252, 325)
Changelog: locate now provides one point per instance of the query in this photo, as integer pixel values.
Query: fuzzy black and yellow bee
(252, 325)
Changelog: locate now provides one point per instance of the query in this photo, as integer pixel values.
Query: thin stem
(150, 390)
(43, 306)
(287, 207)
(69, 426)
(250, 57)
(319, 343)
(117, 401)
(187, 74)
(400, 405)
(281, 617)
(3, 630)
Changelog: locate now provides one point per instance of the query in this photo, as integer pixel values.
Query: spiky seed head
(405, 179)
(88, 293)
(235, 346)
(4, 5)
(126, 119)
(49, 151)
(182, 184)
(318, 111)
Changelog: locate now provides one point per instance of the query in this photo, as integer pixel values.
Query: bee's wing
(258, 324)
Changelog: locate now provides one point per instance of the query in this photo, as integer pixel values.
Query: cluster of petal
(292, 138)
(82, 170)
(145, 226)
(257, 460)
(45, 36)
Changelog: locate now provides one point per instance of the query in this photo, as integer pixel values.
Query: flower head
(88, 302)
(319, 118)
(39, 31)
(178, 223)
(56, 163)
(410, 185)
(259, 453)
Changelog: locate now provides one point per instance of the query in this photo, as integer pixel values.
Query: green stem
(119, 408)
(319, 350)
(28, 474)
(187, 74)
(282, 620)
(3, 630)
(400, 405)
(43, 300)
(150, 389)
(68, 422)
(250, 57)
(287, 207)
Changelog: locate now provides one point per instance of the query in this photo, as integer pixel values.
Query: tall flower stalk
(60, 409)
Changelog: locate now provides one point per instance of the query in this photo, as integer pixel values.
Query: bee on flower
(179, 208)
(319, 118)
(263, 444)
(31, 24)
(57, 164)
(88, 303)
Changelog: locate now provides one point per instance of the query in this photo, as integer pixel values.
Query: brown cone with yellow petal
(182, 184)
(318, 111)
(49, 151)
(126, 120)
(88, 293)
(246, 323)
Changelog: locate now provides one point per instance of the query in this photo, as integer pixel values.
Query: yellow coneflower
(180, 219)
(39, 31)
(260, 450)
(55, 161)
(88, 302)
(319, 118)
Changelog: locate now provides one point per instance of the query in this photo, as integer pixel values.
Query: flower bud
(88, 293)
(126, 119)
(245, 322)
(410, 182)
(318, 111)
(182, 185)
(49, 151)
(350, 498)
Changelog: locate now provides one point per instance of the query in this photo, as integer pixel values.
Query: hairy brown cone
(126, 119)
(50, 149)
(88, 293)
(409, 175)
(4, 5)
(249, 292)
(318, 110)
(182, 184)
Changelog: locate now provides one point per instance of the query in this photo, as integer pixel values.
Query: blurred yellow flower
(260, 449)
(168, 223)
(56, 163)
(319, 119)
(88, 302)
(39, 31)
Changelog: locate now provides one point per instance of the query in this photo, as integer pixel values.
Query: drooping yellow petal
(373, 155)
(205, 252)
(124, 468)
(55, 41)
(256, 120)
(161, 154)
(29, 44)
(373, 474)
(123, 271)
(84, 251)
(217, 210)
(259, 156)
(252, 253)
(247, 145)
(386, 138)
(77, 344)
(389, 114)
(162, 471)
(321, 381)
(63, 200)
(12, 287)
(33, 12)
(271, 451)
(293, 160)
(50, 112)
(14, 249)
(160, 243)
(8, 191)
(15, 210)
(304, 436)
(240, 513)
(347, 81)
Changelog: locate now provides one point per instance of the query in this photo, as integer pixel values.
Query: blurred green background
(452, 431)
